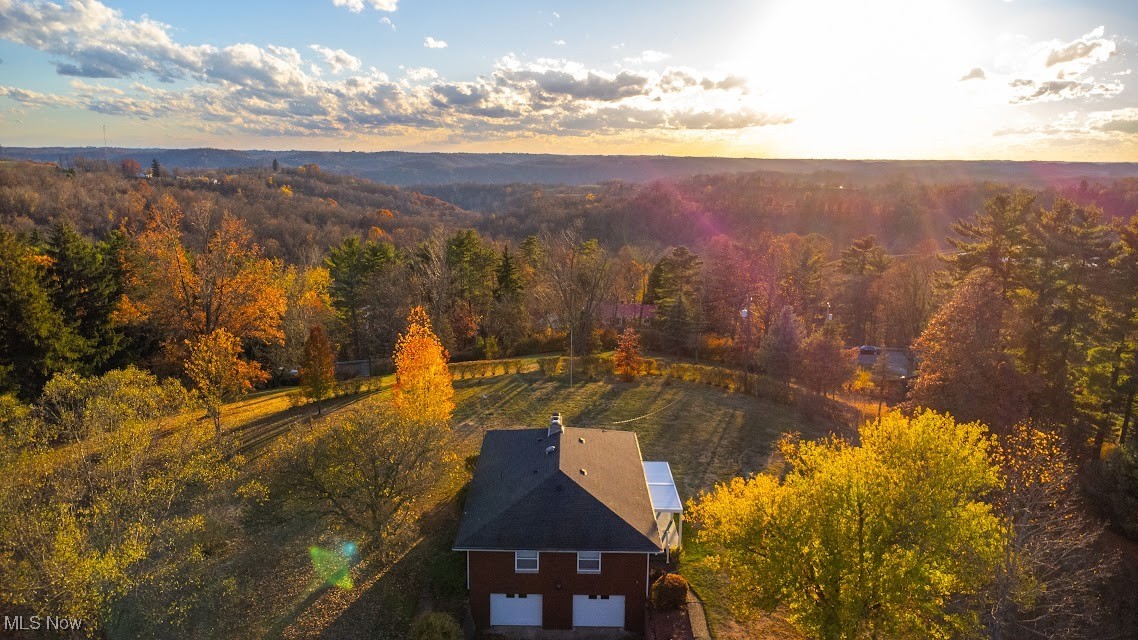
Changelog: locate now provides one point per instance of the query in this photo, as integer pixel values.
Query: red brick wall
(557, 580)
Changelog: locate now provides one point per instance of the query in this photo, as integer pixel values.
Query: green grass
(706, 434)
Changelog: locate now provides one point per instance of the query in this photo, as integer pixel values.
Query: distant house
(622, 314)
(559, 527)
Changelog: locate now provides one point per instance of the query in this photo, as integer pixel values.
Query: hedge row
(486, 368)
(731, 380)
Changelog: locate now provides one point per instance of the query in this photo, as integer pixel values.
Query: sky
(891, 79)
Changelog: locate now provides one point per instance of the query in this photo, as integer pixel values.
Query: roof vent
(584, 473)
(555, 425)
(581, 440)
(550, 449)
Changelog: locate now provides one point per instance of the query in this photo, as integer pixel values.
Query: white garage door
(515, 609)
(598, 611)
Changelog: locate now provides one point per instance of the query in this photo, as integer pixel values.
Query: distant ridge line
(406, 168)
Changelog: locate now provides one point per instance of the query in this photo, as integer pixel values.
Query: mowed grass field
(706, 434)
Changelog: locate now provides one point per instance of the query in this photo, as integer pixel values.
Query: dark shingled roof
(524, 498)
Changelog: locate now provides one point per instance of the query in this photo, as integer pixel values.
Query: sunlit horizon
(879, 80)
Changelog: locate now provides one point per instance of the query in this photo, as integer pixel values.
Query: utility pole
(572, 321)
(745, 314)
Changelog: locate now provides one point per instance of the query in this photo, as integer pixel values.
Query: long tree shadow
(252, 437)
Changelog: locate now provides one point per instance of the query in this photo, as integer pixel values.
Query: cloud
(1091, 48)
(1053, 90)
(1058, 70)
(431, 43)
(559, 43)
(650, 56)
(387, 21)
(356, 6)
(1122, 122)
(35, 98)
(337, 59)
(421, 73)
(275, 91)
(975, 74)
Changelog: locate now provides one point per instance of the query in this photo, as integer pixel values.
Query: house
(559, 527)
(621, 314)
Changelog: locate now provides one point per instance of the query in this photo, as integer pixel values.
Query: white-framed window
(588, 562)
(525, 561)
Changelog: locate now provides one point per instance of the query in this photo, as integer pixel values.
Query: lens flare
(334, 566)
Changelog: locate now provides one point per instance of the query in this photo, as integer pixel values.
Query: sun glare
(864, 79)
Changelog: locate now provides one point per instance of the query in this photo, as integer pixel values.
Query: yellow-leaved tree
(879, 539)
(423, 392)
(219, 372)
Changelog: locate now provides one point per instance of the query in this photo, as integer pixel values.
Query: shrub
(448, 575)
(669, 592)
(435, 626)
(546, 342)
(551, 366)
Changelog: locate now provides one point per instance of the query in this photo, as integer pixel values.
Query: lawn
(707, 435)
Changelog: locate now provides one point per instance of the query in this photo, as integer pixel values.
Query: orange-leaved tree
(218, 371)
(626, 362)
(186, 293)
(423, 390)
(317, 373)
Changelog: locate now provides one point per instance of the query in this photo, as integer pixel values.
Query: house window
(525, 562)
(588, 562)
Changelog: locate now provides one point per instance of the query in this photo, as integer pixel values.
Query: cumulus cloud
(273, 90)
(431, 43)
(1063, 70)
(1091, 48)
(356, 6)
(650, 56)
(421, 73)
(975, 74)
(337, 59)
(35, 98)
(1053, 90)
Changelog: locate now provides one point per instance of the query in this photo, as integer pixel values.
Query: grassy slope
(706, 434)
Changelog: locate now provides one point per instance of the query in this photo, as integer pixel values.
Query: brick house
(559, 527)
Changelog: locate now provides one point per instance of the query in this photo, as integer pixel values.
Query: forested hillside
(294, 213)
(150, 293)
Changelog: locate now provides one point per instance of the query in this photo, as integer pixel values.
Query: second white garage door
(515, 609)
(598, 611)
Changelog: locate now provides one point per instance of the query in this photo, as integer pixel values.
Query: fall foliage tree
(130, 168)
(626, 362)
(219, 372)
(367, 471)
(964, 368)
(423, 392)
(867, 540)
(94, 527)
(226, 285)
(318, 371)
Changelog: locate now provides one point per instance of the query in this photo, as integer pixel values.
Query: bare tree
(573, 279)
(1047, 582)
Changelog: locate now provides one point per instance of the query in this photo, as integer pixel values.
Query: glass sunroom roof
(662, 488)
